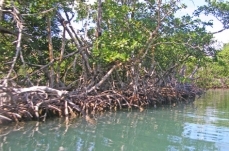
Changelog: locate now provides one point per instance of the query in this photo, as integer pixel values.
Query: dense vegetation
(215, 72)
(74, 44)
(128, 48)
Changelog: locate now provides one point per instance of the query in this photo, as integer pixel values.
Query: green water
(202, 126)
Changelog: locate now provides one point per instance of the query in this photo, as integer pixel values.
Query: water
(202, 126)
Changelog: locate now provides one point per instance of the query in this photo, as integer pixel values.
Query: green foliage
(122, 36)
(216, 72)
(133, 32)
(219, 9)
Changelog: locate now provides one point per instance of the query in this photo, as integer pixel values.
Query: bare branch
(104, 78)
(40, 89)
(19, 21)
(219, 31)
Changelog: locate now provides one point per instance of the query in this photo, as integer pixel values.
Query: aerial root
(39, 103)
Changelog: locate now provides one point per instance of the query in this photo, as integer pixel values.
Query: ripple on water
(206, 132)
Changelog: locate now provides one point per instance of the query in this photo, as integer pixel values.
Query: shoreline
(40, 102)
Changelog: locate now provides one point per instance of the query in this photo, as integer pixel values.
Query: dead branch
(19, 22)
(42, 89)
(104, 78)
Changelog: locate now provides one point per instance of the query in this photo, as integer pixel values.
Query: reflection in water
(207, 132)
(200, 126)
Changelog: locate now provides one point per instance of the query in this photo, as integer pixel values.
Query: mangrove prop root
(41, 102)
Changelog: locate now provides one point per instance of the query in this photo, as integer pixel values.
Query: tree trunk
(58, 72)
(1, 8)
(99, 19)
(50, 47)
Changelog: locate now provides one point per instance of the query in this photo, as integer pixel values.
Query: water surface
(201, 126)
